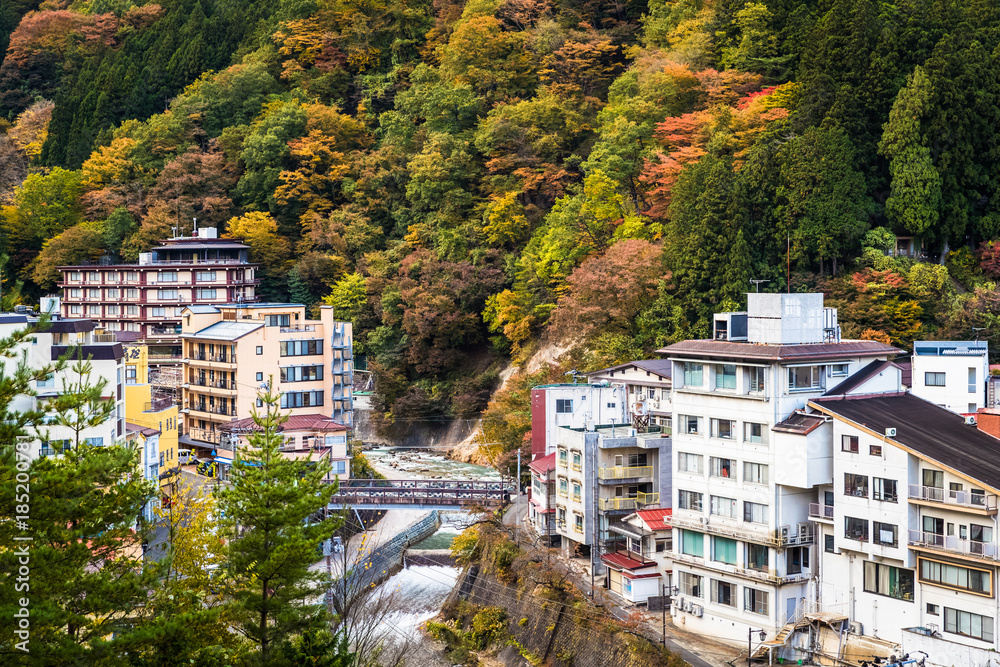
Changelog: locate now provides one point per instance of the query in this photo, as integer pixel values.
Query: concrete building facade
(951, 374)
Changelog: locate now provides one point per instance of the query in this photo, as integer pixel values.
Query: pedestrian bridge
(438, 494)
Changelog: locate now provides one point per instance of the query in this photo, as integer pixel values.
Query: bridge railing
(418, 496)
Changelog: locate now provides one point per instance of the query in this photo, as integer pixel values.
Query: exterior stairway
(779, 639)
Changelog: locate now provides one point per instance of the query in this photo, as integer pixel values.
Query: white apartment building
(952, 374)
(745, 462)
(542, 498)
(45, 347)
(647, 383)
(908, 533)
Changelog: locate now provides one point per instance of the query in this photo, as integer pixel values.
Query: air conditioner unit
(970, 420)
(688, 606)
(654, 405)
(697, 610)
(704, 520)
(857, 628)
(890, 432)
(679, 603)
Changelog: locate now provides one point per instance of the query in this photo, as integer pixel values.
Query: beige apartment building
(233, 351)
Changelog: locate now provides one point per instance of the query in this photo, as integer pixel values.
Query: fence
(371, 570)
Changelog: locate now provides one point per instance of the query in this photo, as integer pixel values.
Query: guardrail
(987, 550)
(978, 501)
(820, 511)
(625, 472)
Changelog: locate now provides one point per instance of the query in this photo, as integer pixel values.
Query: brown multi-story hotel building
(145, 299)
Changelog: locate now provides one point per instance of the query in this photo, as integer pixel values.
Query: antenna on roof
(756, 283)
(976, 330)
(575, 373)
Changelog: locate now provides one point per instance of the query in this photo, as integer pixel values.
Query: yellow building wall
(137, 358)
(137, 397)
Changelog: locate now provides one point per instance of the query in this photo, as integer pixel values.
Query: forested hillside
(464, 180)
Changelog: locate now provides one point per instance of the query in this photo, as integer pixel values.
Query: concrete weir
(428, 557)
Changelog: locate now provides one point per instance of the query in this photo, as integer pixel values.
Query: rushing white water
(422, 589)
(414, 464)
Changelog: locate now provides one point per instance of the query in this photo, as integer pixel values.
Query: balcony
(203, 435)
(298, 329)
(980, 503)
(616, 504)
(217, 358)
(164, 331)
(784, 536)
(764, 576)
(211, 409)
(617, 473)
(229, 385)
(821, 512)
(648, 498)
(954, 545)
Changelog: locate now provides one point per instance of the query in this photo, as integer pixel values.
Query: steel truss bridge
(438, 494)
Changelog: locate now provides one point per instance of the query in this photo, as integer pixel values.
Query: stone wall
(563, 635)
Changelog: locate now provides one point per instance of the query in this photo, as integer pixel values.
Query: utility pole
(517, 496)
(663, 610)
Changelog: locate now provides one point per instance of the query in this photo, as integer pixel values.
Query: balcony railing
(820, 511)
(648, 498)
(212, 409)
(986, 502)
(768, 576)
(304, 327)
(987, 550)
(783, 536)
(204, 435)
(625, 472)
(641, 499)
(220, 358)
(214, 384)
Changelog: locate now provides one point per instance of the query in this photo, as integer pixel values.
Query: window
(302, 399)
(576, 491)
(564, 406)
(577, 461)
(74, 276)
(563, 458)
(721, 506)
(887, 580)
(75, 293)
(96, 442)
(75, 309)
(131, 310)
(338, 467)
(969, 579)
(111, 293)
(166, 277)
(690, 584)
(884, 490)
(112, 310)
(968, 624)
(563, 487)
(856, 529)
(690, 425)
(757, 557)
(260, 377)
(838, 369)
(300, 348)
(131, 276)
(754, 473)
(94, 293)
(94, 276)
(933, 609)
(689, 500)
(754, 601)
(884, 534)
(663, 546)
(933, 485)
(979, 533)
(803, 378)
(829, 544)
(725, 376)
(723, 428)
(875, 450)
(157, 312)
(131, 293)
(934, 379)
(725, 468)
(94, 310)
(204, 276)
(797, 559)
(612, 405)
(755, 433)
(689, 463)
(205, 292)
(754, 512)
(260, 349)
(166, 294)
(755, 379)
(693, 374)
(724, 550)
(300, 373)
(277, 320)
(972, 382)
(855, 485)
(849, 443)
(723, 593)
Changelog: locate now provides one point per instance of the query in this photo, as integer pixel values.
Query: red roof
(623, 562)
(544, 464)
(312, 422)
(657, 518)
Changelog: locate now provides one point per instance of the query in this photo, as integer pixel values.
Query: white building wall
(964, 388)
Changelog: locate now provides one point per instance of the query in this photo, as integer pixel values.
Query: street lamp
(763, 636)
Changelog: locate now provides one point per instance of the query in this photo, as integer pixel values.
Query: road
(517, 512)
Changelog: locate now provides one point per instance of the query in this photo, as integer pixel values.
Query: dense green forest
(468, 180)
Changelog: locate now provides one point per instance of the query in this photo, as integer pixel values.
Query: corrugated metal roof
(787, 353)
(799, 423)
(661, 367)
(657, 518)
(307, 422)
(544, 464)
(937, 434)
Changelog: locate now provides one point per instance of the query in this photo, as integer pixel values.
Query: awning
(223, 459)
(629, 530)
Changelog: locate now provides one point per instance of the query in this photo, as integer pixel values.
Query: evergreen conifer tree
(274, 519)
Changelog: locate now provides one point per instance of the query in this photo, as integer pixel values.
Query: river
(421, 589)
